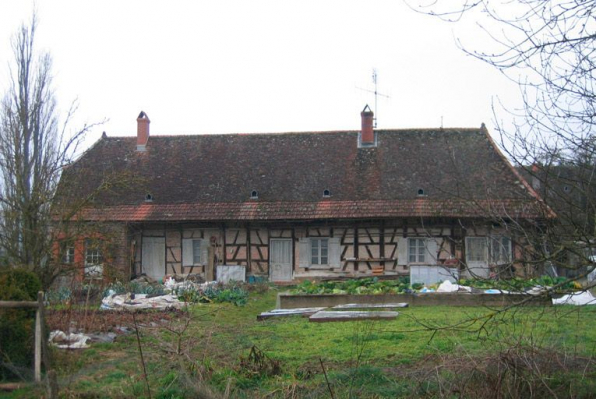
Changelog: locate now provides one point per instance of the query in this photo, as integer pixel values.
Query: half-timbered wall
(364, 247)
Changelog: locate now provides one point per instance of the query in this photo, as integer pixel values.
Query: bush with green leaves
(373, 285)
(232, 292)
(17, 325)
(369, 285)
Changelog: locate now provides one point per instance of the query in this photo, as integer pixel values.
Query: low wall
(293, 301)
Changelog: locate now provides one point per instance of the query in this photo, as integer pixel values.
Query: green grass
(362, 359)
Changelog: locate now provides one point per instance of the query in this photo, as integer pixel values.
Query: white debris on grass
(448, 286)
(537, 290)
(141, 301)
(62, 340)
(577, 299)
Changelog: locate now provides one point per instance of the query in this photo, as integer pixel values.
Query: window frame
(468, 244)
(420, 247)
(67, 253)
(497, 242)
(196, 251)
(319, 255)
(93, 269)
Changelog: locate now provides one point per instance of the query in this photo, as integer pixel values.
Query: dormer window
(254, 194)
(326, 193)
(421, 192)
(148, 198)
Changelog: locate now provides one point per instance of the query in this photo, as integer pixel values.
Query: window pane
(476, 249)
(92, 252)
(314, 244)
(412, 250)
(416, 250)
(500, 250)
(67, 253)
(196, 251)
(324, 251)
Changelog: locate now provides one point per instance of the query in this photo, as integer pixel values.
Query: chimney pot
(367, 135)
(142, 131)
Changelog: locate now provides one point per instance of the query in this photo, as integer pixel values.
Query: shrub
(356, 286)
(17, 325)
(232, 292)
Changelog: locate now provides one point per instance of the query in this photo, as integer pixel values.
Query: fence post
(38, 336)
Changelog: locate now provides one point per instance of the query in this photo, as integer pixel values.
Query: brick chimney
(142, 131)
(367, 135)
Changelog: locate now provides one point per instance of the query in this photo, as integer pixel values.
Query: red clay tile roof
(313, 210)
(211, 177)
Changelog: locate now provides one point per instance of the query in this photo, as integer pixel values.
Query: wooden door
(154, 257)
(280, 260)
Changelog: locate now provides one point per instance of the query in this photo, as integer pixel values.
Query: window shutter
(402, 251)
(334, 252)
(204, 252)
(187, 258)
(431, 250)
(304, 246)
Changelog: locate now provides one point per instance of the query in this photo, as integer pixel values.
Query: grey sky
(257, 66)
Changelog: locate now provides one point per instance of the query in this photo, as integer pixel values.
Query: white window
(93, 259)
(92, 253)
(319, 251)
(416, 250)
(194, 252)
(500, 250)
(67, 253)
(476, 249)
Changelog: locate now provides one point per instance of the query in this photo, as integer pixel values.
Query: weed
(258, 363)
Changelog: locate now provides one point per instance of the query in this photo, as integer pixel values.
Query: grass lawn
(220, 349)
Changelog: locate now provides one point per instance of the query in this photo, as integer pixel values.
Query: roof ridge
(401, 130)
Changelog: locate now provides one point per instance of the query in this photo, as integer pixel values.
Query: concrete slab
(350, 306)
(288, 312)
(330, 315)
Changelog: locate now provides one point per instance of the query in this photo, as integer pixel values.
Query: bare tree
(547, 47)
(33, 150)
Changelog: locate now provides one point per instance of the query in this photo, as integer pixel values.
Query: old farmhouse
(298, 205)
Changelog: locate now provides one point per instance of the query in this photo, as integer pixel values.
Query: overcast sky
(257, 66)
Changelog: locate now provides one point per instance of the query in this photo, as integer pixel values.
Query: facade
(300, 205)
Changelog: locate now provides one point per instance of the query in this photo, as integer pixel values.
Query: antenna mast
(376, 93)
(374, 78)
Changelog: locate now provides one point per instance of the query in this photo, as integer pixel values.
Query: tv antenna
(376, 93)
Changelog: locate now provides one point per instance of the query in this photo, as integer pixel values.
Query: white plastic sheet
(448, 286)
(577, 299)
(68, 341)
(141, 301)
